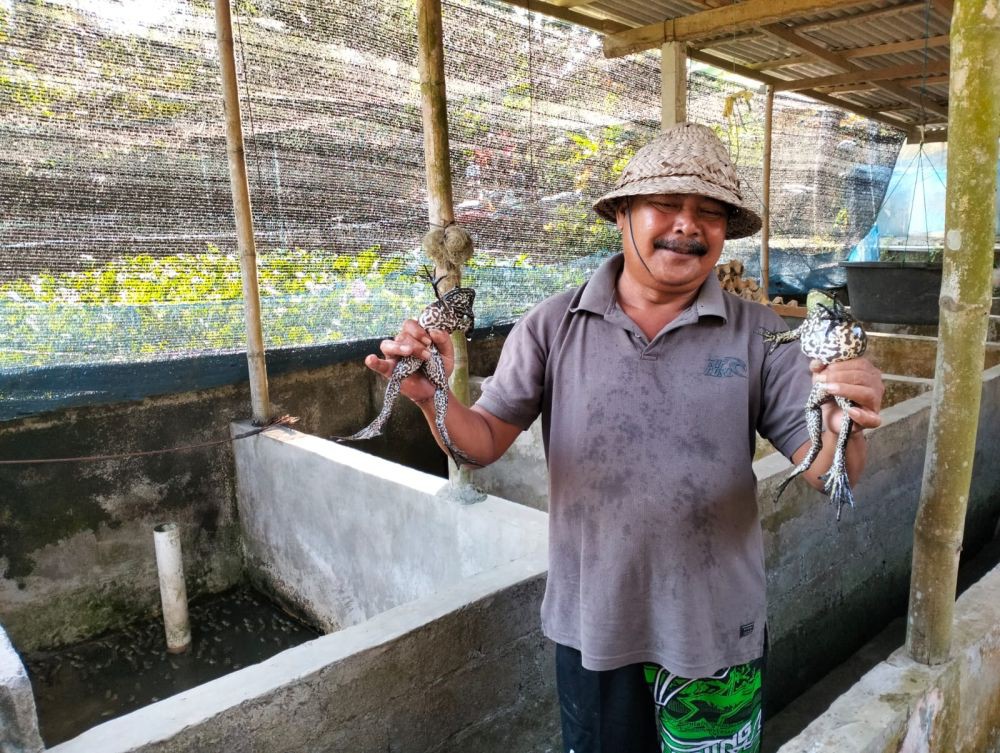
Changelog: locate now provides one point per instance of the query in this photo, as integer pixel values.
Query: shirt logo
(745, 629)
(727, 366)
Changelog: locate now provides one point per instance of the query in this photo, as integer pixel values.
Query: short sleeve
(785, 389)
(514, 393)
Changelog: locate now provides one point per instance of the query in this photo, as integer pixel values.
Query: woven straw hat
(685, 158)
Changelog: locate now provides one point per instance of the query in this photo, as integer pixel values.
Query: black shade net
(117, 240)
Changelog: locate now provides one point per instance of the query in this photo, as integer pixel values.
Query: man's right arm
(478, 433)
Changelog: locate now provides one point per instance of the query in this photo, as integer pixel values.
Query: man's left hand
(857, 380)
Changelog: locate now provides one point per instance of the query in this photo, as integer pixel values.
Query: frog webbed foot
(774, 338)
(838, 487)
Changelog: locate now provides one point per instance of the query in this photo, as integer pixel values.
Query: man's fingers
(412, 329)
(865, 418)
(383, 366)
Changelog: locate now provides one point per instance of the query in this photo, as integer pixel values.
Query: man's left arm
(861, 383)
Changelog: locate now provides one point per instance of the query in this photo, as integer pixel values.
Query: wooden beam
(708, 23)
(857, 52)
(570, 16)
(673, 84)
(867, 112)
(868, 15)
(893, 47)
(784, 62)
(865, 75)
(570, 3)
(846, 88)
(807, 45)
(913, 83)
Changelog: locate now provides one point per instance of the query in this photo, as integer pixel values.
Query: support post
(259, 400)
(974, 111)
(765, 225)
(673, 84)
(437, 167)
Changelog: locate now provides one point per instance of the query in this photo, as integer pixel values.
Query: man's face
(679, 237)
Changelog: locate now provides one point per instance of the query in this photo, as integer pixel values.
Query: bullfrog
(829, 334)
(451, 312)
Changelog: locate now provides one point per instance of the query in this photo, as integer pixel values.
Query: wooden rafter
(912, 83)
(846, 88)
(895, 121)
(865, 76)
(571, 3)
(566, 14)
(891, 48)
(807, 45)
(909, 83)
(868, 15)
(858, 52)
(708, 23)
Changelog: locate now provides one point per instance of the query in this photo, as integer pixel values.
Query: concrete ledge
(416, 675)
(18, 720)
(904, 706)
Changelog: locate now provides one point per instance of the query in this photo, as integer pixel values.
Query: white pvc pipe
(173, 593)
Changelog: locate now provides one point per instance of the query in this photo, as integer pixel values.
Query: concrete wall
(833, 586)
(464, 670)
(462, 666)
(345, 535)
(843, 582)
(901, 705)
(76, 550)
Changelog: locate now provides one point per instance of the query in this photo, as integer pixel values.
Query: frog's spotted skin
(829, 334)
(450, 312)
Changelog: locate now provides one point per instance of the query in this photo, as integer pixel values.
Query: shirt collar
(598, 294)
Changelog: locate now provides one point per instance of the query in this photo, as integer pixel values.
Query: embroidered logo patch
(745, 629)
(727, 366)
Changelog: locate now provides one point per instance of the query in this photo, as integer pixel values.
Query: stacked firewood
(731, 277)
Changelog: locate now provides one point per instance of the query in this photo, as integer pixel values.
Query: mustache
(694, 247)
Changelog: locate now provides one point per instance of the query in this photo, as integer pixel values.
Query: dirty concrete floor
(795, 717)
(83, 685)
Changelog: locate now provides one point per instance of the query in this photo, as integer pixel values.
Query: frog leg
(814, 422)
(434, 369)
(403, 368)
(837, 485)
(776, 338)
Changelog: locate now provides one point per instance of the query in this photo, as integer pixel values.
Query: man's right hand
(413, 340)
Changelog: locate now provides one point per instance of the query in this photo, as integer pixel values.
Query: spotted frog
(451, 312)
(829, 334)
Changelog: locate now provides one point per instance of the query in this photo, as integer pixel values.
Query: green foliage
(195, 278)
(145, 307)
(575, 231)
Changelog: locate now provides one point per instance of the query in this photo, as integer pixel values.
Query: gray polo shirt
(655, 544)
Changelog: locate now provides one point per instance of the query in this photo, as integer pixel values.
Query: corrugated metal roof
(908, 85)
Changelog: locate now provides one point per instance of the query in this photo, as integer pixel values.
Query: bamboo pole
(974, 104)
(437, 168)
(259, 400)
(765, 224)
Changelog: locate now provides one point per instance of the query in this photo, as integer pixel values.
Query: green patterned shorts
(717, 714)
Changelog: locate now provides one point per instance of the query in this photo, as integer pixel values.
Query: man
(651, 383)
